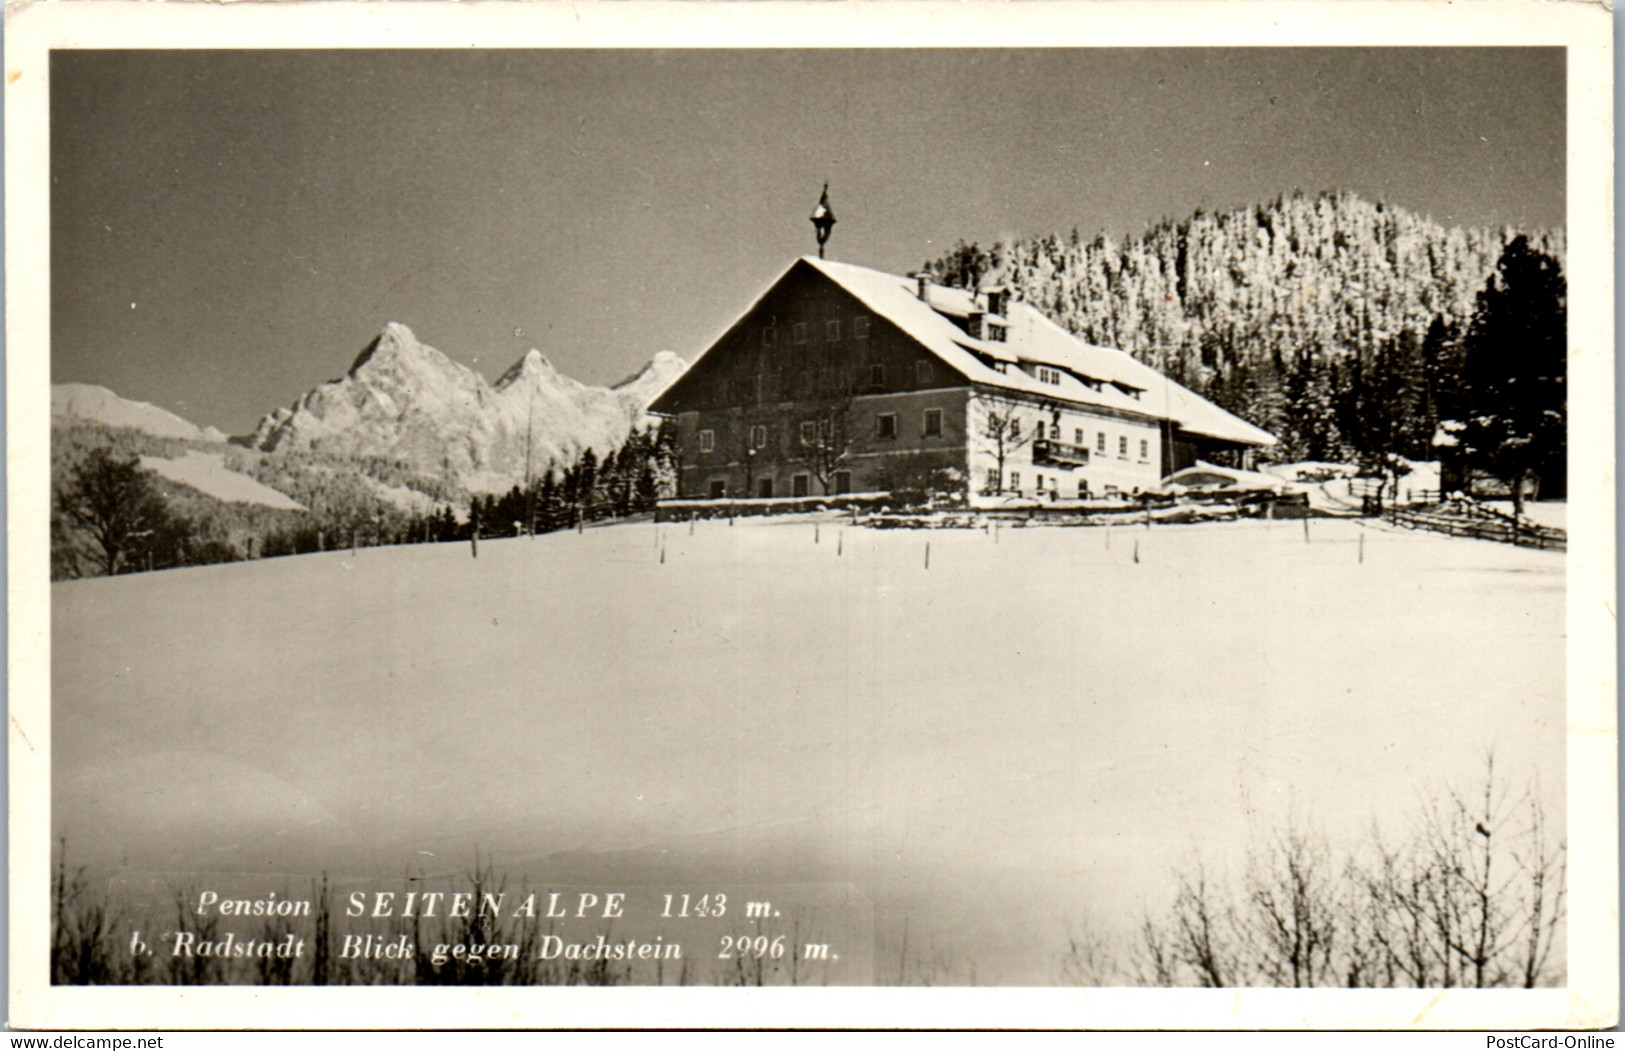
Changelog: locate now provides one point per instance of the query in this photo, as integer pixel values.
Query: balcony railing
(1046, 450)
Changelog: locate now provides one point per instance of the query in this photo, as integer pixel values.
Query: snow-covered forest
(1339, 324)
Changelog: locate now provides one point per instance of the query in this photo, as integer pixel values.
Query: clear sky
(231, 228)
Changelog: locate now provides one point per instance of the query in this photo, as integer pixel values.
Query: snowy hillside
(642, 706)
(405, 401)
(208, 474)
(95, 404)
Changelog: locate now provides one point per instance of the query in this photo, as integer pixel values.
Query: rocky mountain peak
(403, 400)
(534, 365)
(397, 348)
(649, 382)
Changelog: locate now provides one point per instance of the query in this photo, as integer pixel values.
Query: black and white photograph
(1042, 499)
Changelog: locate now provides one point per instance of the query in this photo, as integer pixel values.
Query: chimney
(922, 287)
(995, 301)
(973, 323)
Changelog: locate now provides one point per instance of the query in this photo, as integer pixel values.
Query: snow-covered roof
(1034, 339)
(1204, 475)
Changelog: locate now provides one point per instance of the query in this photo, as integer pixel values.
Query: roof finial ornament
(823, 219)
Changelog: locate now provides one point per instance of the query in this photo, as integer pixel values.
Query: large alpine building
(840, 378)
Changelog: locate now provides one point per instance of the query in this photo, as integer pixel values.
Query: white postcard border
(1585, 29)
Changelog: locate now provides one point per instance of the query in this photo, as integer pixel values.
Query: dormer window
(1049, 375)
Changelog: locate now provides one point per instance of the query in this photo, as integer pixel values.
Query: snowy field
(1030, 733)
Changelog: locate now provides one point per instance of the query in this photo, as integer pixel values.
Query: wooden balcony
(1046, 451)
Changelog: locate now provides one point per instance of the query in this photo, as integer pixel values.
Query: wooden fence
(1376, 489)
(1460, 518)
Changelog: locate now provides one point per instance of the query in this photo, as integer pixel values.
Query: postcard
(878, 514)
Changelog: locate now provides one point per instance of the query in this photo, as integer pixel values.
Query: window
(860, 328)
(1122, 447)
(1049, 375)
(800, 485)
(877, 375)
(1015, 427)
(1077, 436)
(809, 432)
(708, 441)
(922, 372)
(1054, 432)
(832, 331)
(1040, 483)
(764, 488)
(992, 479)
(798, 333)
(770, 336)
(994, 334)
(719, 488)
(886, 425)
(1083, 488)
(1015, 480)
(1145, 449)
(1100, 443)
(843, 481)
(933, 423)
(758, 436)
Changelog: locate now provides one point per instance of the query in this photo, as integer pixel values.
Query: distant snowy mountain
(405, 401)
(95, 404)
